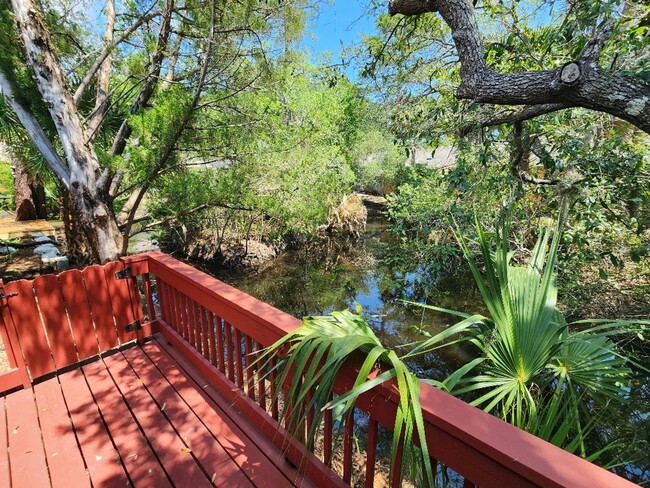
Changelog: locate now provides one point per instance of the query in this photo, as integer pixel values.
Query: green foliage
(294, 147)
(315, 354)
(541, 374)
(6, 186)
(553, 379)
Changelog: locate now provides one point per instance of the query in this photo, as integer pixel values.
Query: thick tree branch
(594, 46)
(88, 204)
(512, 117)
(580, 83)
(103, 78)
(35, 132)
(412, 7)
(119, 143)
(140, 192)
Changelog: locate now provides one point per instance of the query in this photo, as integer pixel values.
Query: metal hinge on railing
(124, 274)
(133, 326)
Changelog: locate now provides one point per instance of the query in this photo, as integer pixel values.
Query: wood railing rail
(53, 322)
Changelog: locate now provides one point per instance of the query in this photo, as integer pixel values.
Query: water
(337, 274)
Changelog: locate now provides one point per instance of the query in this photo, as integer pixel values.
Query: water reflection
(336, 274)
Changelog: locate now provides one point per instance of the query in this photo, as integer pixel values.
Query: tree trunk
(29, 193)
(77, 248)
(88, 198)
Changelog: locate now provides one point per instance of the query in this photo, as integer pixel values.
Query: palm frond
(311, 358)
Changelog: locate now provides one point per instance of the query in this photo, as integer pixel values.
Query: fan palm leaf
(310, 359)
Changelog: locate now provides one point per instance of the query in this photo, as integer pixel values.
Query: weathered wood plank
(50, 301)
(100, 307)
(262, 463)
(26, 455)
(173, 453)
(5, 476)
(258, 426)
(99, 453)
(75, 295)
(136, 454)
(190, 426)
(120, 301)
(64, 459)
(29, 328)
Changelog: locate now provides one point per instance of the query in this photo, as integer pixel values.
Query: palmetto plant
(313, 356)
(533, 369)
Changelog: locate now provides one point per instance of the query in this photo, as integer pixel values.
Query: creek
(337, 273)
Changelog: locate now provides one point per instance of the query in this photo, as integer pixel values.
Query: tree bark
(581, 83)
(119, 143)
(106, 52)
(88, 203)
(161, 164)
(35, 132)
(29, 193)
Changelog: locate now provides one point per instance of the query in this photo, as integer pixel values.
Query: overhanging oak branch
(581, 83)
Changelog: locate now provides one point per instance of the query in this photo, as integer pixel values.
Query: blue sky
(338, 22)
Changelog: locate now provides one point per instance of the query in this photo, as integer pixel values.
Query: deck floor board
(26, 454)
(187, 373)
(135, 418)
(5, 478)
(170, 449)
(249, 456)
(209, 453)
(136, 454)
(97, 448)
(64, 460)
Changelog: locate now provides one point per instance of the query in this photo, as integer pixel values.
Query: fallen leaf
(164, 406)
(186, 450)
(55, 454)
(133, 456)
(98, 458)
(214, 477)
(15, 431)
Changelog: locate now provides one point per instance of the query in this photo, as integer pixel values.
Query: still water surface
(338, 274)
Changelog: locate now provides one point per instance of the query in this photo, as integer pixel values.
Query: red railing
(220, 330)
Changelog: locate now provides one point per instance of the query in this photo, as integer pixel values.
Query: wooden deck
(140, 417)
(140, 372)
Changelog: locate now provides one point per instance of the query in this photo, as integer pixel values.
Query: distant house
(442, 158)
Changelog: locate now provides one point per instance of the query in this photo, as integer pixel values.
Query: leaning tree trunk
(29, 193)
(88, 195)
